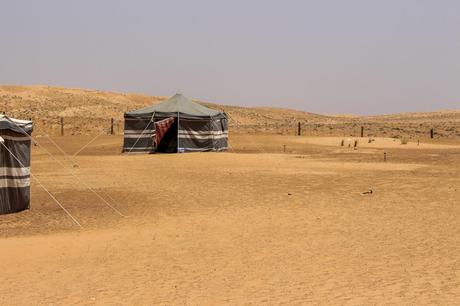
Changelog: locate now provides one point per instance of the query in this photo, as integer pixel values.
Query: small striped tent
(14, 164)
(193, 127)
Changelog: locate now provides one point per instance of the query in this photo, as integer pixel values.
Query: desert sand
(277, 219)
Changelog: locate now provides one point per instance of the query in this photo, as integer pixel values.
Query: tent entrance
(168, 143)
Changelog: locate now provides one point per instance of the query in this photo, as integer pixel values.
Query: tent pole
(211, 131)
(178, 146)
(154, 139)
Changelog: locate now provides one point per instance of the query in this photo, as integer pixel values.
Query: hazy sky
(353, 56)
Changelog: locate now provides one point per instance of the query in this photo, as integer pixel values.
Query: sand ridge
(89, 112)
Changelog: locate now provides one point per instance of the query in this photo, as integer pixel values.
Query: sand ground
(261, 224)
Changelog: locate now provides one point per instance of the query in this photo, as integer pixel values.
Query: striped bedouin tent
(14, 164)
(184, 126)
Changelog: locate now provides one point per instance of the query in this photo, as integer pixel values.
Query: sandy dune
(89, 112)
(251, 226)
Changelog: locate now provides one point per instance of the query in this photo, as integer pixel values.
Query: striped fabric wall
(138, 135)
(202, 135)
(195, 134)
(14, 175)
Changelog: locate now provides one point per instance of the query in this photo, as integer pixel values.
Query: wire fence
(373, 129)
(68, 126)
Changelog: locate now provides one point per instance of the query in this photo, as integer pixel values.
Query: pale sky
(324, 56)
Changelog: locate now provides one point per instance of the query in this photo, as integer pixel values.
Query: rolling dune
(89, 112)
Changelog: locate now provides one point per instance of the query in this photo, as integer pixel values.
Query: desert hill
(90, 111)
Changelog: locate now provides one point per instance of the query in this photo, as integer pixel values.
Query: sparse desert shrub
(342, 143)
(404, 140)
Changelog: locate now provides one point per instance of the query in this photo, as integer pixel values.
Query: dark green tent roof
(177, 104)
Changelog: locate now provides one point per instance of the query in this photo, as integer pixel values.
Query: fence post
(62, 126)
(111, 126)
(299, 129)
(432, 133)
(362, 131)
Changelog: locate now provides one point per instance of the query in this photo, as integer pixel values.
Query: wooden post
(362, 131)
(111, 126)
(299, 129)
(384, 156)
(284, 148)
(62, 126)
(432, 133)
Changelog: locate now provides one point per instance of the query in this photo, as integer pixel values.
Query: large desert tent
(14, 164)
(174, 126)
